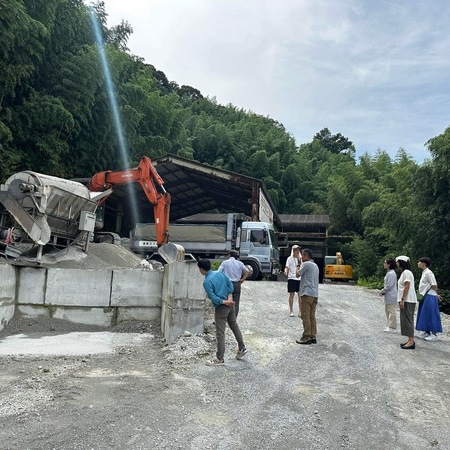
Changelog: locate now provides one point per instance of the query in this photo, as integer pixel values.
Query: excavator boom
(152, 185)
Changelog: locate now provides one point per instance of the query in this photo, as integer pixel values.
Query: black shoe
(304, 342)
(409, 347)
(313, 341)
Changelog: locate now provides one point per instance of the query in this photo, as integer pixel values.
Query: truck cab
(258, 248)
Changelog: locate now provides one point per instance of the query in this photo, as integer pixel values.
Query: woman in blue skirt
(428, 317)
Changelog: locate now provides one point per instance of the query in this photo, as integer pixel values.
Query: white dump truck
(256, 242)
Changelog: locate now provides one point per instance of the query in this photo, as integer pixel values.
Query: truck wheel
(255, 271)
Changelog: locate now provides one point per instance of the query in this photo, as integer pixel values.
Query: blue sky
(375, 71)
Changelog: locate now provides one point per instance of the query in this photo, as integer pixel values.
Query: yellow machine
(336, 269)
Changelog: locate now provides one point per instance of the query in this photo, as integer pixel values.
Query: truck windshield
(259, 238)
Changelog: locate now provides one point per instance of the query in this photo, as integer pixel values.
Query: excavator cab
(336, 269)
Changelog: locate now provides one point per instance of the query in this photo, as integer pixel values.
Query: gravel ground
(355, 389)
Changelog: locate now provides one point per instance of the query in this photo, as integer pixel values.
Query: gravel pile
(29, 325)
(21, 324)
(188, 348)
(98, 256)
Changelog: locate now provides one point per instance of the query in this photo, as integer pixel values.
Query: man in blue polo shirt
(220, 291)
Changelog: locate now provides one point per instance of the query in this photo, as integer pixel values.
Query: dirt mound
(98, 256)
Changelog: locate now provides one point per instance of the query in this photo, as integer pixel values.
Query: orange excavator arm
(153, 186)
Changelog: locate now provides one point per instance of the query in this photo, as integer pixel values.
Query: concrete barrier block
(73, 287)
(183, 300)
(124, 314)
(103, 317)
(8, 281)
(183, 280)
(183, 320)
(136, 288)
(31, 285)
(33, 310)
(8, 277)
(6, 314)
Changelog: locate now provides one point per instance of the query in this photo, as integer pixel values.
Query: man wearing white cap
(292, 271)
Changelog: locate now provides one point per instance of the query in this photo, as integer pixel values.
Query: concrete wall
(106, 297)
(94, 297)
(7, 293)
(183, 300)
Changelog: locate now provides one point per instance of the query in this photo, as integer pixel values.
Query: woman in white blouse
(428, 316)
(407, 299)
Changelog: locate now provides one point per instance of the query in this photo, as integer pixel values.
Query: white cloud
(376, 71)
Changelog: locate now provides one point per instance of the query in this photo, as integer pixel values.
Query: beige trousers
(391, 316)
(308, 314)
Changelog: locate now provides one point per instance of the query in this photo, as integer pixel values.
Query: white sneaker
(423, 335)
(215, 362)
(291, 314)
(387, 329)
(390, 330)
(431, 337)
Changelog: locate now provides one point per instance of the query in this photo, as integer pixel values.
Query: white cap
(402, 258)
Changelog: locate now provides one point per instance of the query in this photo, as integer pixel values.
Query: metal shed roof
(194, 188)
(302, 220)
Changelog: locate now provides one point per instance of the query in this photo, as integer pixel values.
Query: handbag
(420, 297)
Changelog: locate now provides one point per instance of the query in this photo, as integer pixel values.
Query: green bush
(371, 282)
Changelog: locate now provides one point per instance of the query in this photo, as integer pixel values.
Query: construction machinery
(38, 210)
(336, 269)
(152, 185)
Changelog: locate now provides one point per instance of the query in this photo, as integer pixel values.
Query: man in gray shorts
(291, 270)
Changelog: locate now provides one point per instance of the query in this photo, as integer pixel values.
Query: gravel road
(355, 389)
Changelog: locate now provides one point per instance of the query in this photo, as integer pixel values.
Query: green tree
(334, 143)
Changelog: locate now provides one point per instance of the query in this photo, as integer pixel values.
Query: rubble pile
(98, 256)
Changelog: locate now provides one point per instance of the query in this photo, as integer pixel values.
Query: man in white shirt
(237, 272)
(292, 271)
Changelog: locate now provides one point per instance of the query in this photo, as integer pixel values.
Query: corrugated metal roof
(207, 218)
(197, 187)
(295, 220)
(194, 188)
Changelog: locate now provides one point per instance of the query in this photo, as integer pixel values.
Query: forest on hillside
(55, 118)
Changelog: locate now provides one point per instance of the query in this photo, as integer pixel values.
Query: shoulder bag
(420, 297)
